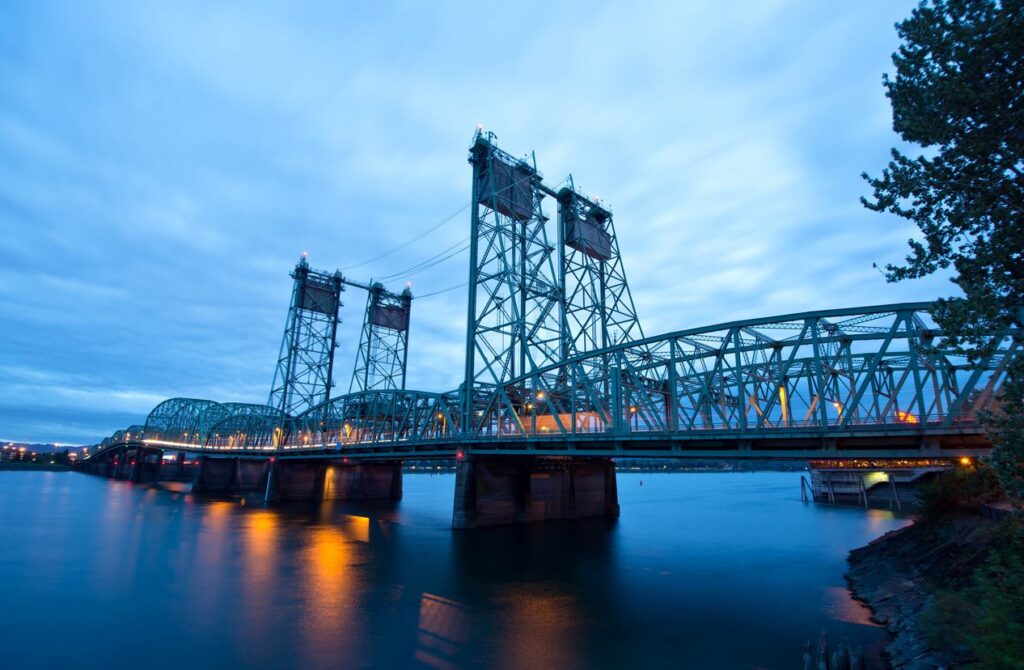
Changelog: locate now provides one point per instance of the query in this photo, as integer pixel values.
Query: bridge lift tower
(305, 368)
(305, 364)
(532, 303)
(384, 341)
(512, 325)
(597, 308)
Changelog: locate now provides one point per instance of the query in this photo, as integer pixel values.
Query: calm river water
(701, 571)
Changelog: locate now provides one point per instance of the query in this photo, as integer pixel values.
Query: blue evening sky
(163, 165)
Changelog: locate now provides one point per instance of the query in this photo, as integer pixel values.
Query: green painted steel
(556, 363)
(513, 308)
(383, 342)
(867, 381)
(305, 364)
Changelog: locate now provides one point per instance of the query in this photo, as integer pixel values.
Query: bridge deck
(882, 442)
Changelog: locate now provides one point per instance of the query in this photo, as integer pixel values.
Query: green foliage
(983, 625)
(957, 489)
(1008, 428)
(958, 93)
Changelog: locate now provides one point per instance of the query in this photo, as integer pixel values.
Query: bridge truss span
(832, 374)
(388, 416)
(870, 381)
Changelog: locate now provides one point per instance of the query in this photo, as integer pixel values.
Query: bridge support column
(495, 490)
(335, 480)
(250, 474)
(146, 464)
(350, 481)
(230, 475)
(214, 475)
(122, 464)
(177, 471)
(105, 467)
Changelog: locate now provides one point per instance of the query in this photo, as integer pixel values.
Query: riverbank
(919, 580)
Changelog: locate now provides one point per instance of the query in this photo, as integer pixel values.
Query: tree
(958, 94)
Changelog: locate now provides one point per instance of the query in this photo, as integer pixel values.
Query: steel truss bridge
(867, 382)
(557, 364)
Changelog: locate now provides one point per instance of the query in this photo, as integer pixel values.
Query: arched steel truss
(181, 420)
(836, 372)
(825, 372)
(377, 417)
(192, 422)
(250, 427)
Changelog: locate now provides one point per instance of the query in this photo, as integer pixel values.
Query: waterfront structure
(559, 380)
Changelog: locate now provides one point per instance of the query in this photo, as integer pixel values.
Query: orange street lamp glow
(906, 417)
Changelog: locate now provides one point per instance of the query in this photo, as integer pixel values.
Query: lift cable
(443, 290)
(411, 241)
(447, 254)
(450, 252)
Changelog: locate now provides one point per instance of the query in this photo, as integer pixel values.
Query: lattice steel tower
(384, 342)
(597, 308)
(512, 325)
(305, 364)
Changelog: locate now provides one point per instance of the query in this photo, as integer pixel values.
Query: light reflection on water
(702, 570)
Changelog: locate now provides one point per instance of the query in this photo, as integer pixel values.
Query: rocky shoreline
(897, 575)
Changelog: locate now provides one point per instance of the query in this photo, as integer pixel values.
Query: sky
(163, 166)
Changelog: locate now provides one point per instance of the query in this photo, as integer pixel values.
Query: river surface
(713, 570)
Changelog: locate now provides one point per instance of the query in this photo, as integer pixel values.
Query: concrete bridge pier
(495, 490)
(296, 479)
(144, 464)
(103, 465)
(122, 465)
(230, 475)
(176, 472)
(351, 481)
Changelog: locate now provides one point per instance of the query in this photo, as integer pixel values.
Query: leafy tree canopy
(958, 93)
